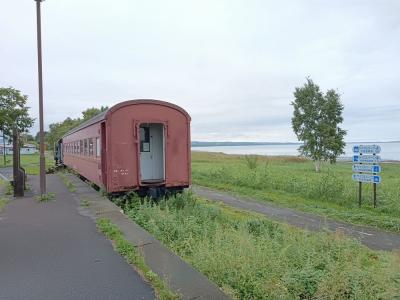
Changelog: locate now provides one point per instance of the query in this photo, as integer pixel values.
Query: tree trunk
(317, 166)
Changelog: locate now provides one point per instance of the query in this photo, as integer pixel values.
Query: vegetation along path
(372, 237)
(50, 251)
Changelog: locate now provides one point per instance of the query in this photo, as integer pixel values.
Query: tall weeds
(251, 257)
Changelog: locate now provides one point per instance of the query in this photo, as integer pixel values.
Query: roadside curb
(177, 274)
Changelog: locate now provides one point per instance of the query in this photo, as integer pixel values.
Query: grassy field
(29, 162)
(3, 200)
(251, 257)
(293, 182)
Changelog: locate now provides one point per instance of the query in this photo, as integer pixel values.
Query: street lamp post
(41, 130)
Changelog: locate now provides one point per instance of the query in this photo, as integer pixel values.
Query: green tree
(93, 111)
(37, 138)
(316, 120)
(57, 130)
(13, 112)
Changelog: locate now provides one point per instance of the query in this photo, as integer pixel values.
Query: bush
(251, 257)
(251, 161)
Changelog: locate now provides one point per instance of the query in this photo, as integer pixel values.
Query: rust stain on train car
(136, 143)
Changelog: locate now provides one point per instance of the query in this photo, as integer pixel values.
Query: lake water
(390, 151)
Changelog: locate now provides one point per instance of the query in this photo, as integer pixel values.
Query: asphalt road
(374, 238)
(50, 251)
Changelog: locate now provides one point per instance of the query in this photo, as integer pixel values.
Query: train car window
(85, 147)
(98, 151)
(90, 147)
(144, 139)
(81, 147)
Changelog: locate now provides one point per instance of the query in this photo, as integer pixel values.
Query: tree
(13, 112)
(37, 136)
(27, 138)
(91, 112)
(315, 122)
(57, 130)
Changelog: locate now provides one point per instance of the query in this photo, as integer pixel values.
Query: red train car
(136, 145)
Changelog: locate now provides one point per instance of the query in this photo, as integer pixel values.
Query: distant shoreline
(214, 144)
(339, 159)
(222, 144)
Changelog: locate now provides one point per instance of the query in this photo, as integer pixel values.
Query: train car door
(103, 153)
(152, 149)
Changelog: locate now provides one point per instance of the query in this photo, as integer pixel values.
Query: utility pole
(40, 80)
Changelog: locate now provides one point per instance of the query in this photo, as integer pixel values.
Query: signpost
(367, 149)
(367, 178)
(369, 159)
(366, 167)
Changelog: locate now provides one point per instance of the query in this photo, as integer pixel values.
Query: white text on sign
(367, 149)
(369, 159)
(367, 178)
(367, 168)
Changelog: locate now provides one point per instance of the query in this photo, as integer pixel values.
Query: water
(390, 151)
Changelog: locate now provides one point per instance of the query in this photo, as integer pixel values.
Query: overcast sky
(233, 65)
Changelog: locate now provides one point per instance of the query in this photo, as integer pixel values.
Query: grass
(45, 197)
(29, 162)
(134, 258)
(251, 257)
(84, 202)
(3, 202)
(9, 189)
(70, 186)
(293, 182)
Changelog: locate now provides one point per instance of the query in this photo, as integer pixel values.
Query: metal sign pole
(374, 186)
(359, 189)
(41, 131)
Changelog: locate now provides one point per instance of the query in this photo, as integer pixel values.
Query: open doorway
(152, 164)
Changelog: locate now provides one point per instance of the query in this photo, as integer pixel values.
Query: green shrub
(251, 161)
(293, 182)
(251, 257)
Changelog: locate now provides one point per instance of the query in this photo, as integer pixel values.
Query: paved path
(373, 238)
(50, 251)
(6, 173)
(180, 276)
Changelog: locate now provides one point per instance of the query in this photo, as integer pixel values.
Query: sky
(233, 65)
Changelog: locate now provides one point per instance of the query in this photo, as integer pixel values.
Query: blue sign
(367, 168)
(369, 159)
(367, 149)
(367, 178)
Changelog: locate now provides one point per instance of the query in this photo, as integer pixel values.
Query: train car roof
(103, 115)
(97, 118)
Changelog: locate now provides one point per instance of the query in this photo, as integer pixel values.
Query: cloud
(232, 64)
